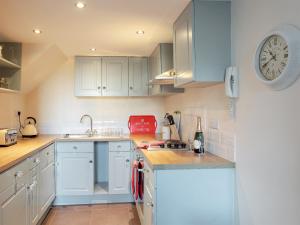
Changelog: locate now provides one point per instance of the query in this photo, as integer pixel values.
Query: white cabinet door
(46, 187)
(183, 47)
(33, 205)
(75, 174)
(119, 172)
(88, 76)
(138, 76)
(115, 76)
(14, 210)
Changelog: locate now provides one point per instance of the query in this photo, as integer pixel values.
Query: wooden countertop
(170, 160)
(26, 147)
(10, 156)
(167, 159)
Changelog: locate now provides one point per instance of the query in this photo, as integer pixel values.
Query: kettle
(29, 129)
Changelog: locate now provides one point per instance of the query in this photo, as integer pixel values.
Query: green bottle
(198, 143)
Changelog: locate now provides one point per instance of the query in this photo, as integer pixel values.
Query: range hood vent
(161, 64)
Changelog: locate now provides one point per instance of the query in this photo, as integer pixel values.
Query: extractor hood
(161, 64)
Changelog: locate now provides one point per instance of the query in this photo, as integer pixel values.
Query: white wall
(10, 104)
(58, 111)
(267, 122)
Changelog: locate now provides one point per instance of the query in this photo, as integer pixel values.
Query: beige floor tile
(102, 214)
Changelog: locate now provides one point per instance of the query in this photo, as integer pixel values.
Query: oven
(137, 183)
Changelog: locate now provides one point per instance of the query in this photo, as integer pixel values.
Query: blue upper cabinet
(202, 43)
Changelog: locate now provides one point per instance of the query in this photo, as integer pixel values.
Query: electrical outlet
(214, 124)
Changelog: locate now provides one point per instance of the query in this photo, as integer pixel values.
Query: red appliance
(142, 124)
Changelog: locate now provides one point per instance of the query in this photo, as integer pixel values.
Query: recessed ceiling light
(140, 32)
(80, 5)
(93, 49)
(37, 31)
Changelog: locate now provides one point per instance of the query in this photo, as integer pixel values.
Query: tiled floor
(104, 214)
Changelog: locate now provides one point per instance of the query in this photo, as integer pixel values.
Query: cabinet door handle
(150, 204)
(127, 160)
(37, 161)
(131, 88)
(19, 174)
(99, 87)
(104, 87)
(91, 161)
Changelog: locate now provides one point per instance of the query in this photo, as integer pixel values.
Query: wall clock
(277, 58)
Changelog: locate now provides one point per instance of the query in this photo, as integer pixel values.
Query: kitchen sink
(80, 136)
(76, 136)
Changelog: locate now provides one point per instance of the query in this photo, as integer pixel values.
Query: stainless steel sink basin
(95, 136)
(71, 136)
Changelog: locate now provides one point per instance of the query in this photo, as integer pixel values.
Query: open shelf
(5, 90)
(8, 64)
(101, 188)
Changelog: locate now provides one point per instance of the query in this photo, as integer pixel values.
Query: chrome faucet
(90, 132)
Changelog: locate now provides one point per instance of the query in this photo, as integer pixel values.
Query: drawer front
(34, 161)
(7, 193)
(75, 147)
(47, 156)
(149, 178)
(20, 173)
(120, 146)
(6, 179)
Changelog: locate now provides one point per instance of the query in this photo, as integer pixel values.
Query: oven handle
(143, 170)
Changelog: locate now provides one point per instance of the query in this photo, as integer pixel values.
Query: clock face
(273, 57)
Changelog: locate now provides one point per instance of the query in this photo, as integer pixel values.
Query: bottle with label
(198, 144)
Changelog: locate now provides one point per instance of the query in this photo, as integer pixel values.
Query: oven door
(138, 202)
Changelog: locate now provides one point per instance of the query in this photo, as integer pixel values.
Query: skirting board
(92, 199)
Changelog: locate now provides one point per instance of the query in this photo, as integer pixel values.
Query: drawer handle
(19, 174)
(47, 153)
(119, 146)
(37, 161)
(75, 147)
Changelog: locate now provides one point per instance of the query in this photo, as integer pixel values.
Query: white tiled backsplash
(219, 139)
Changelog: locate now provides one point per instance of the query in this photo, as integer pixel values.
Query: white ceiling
(108, 25)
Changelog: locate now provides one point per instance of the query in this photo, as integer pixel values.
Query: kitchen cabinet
(167, 201)
(46, 179)
(14, 210)
(119, 167)
(33, 189)
(10, 66)
(88, 76)
(25, 186)
(114, 76)
(79, 179)
(32, 195)
(13, 195)
(202, 40)
(138, 76)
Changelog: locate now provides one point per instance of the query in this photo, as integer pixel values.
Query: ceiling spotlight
(93, 49)
(37, 31)
(140, 32)
(80, 5)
